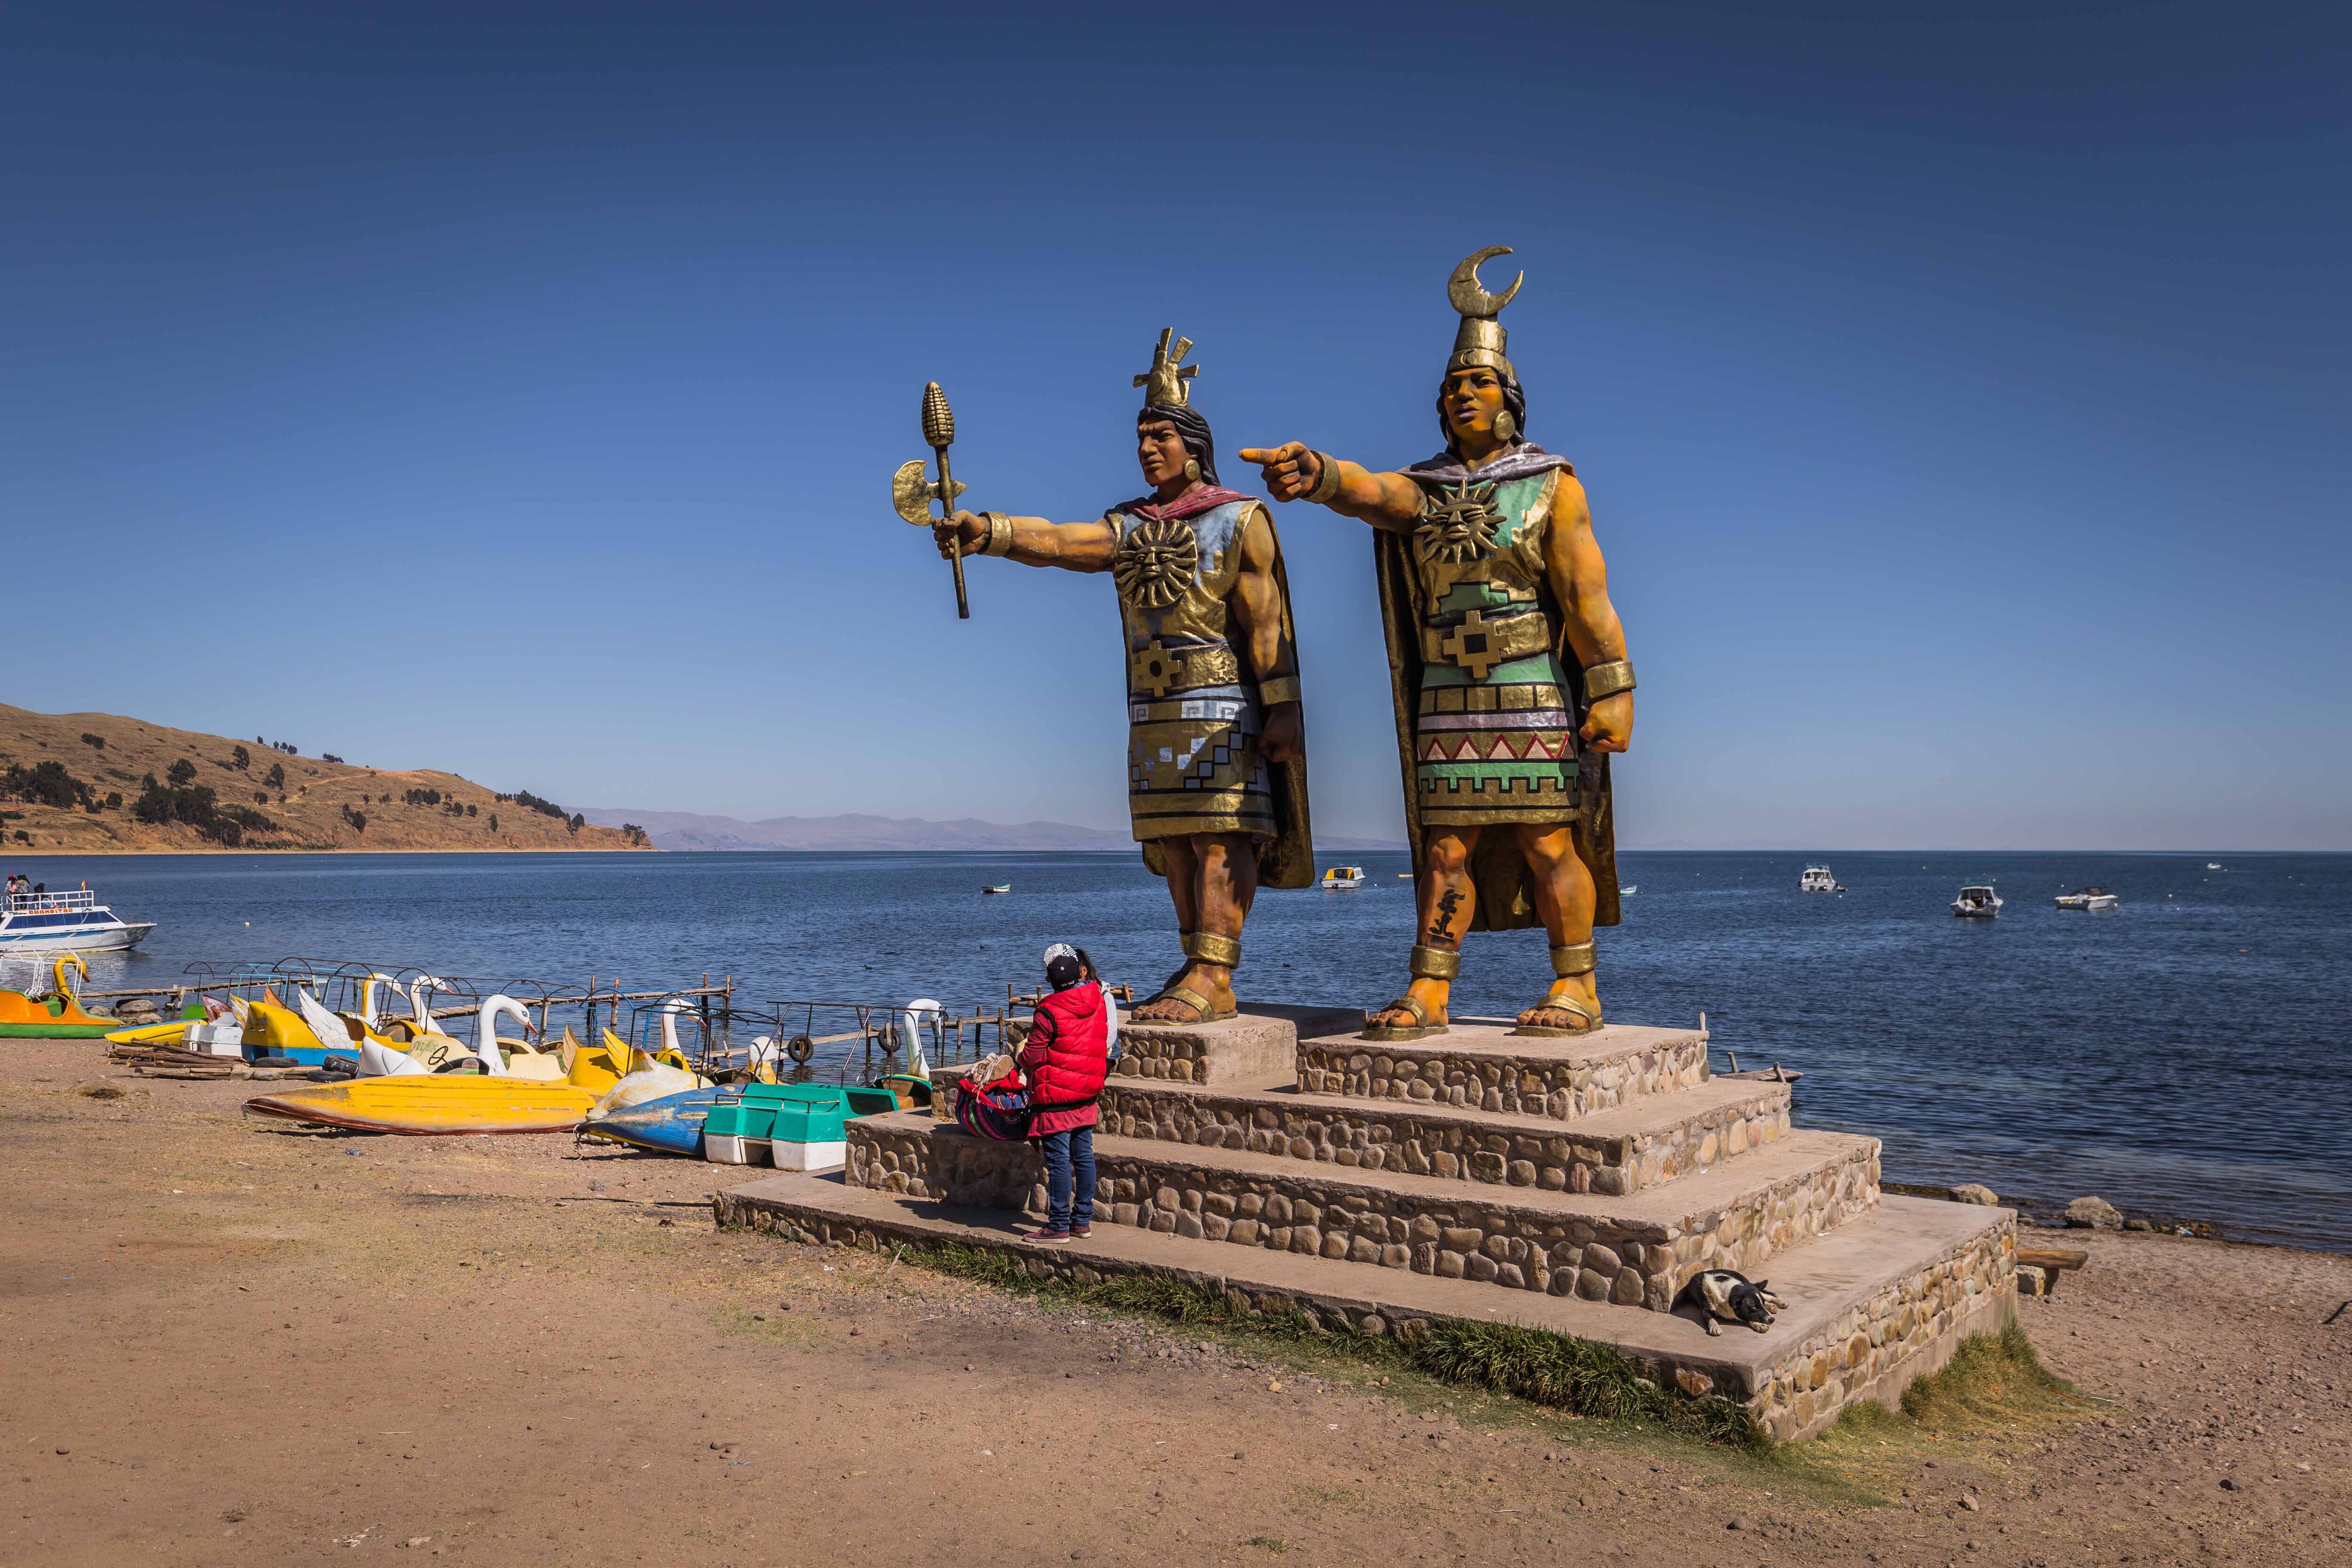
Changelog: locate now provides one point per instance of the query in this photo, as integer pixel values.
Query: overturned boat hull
(670, 1125)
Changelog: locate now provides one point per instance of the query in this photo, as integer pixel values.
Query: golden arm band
(1608, 680)
(1327, 478)
(1277, 688)
(1434, 964)
(1224, 951)
(1000, 533)
(1573, 958)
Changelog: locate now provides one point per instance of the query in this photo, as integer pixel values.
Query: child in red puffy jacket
(1065, 1061)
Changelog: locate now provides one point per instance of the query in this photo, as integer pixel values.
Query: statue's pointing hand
(966, 530)
(1290, 471)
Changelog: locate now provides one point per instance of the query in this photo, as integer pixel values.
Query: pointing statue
(1509, 670)
(1216, 750)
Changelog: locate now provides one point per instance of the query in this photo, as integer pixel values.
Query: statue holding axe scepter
(1216, 749)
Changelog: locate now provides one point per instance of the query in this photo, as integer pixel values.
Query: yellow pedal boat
(58, 1015)
(448, 1104)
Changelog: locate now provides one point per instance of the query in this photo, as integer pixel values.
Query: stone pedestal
(1572, 1184)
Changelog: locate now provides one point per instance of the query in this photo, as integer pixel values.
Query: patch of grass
(1544, 1369)
(1992, 1379)
(1993, 1388)
(1271, 1542)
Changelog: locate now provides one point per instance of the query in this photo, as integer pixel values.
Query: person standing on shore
(1065, 1059)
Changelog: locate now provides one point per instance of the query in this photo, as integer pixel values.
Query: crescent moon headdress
(1480, 339)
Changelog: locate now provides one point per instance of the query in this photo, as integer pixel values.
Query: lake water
(2183, 1055)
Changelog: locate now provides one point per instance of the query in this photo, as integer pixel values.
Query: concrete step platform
(1479, 1065)
(1649, 1140)
(1635, 1250)
(1259, 1043)
(1882, 1300)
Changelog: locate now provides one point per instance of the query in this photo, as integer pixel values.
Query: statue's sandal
(1568, 960)
(1421, 1029)
(1423, 964)
(1208, 1011)
(1201, 947)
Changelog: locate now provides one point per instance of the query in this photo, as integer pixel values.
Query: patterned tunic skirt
(1193, 765)
(1497, 750)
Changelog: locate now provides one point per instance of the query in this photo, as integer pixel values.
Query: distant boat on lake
(2088, 899)
(999, 888)
(1817, 879)
(1976, 901)
(1344, 877)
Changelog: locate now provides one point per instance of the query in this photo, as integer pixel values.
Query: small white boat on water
(998, 888)
(2088, 899)
(1976, 901)
(1344, 877)
(1817, 879)
(2212, 865)
(66, 922)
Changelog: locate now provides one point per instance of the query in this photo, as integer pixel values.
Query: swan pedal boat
(59, 1015)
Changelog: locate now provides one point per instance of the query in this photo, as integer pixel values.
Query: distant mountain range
(690, 830)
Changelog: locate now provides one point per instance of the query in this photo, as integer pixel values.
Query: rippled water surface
(2185, 1054)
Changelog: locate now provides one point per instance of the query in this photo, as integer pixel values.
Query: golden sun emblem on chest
(1156, 562)
(1458, 525)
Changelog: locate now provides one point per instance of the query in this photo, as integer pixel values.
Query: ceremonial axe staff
(912, 490)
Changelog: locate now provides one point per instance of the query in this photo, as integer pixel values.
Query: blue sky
(515, 390)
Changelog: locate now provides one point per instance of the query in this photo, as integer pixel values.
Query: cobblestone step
(1878, 1302)
(1649, 1140)
(1633, 1250)
(1479, 1065)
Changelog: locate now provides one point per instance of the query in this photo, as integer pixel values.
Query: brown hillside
(316, 804)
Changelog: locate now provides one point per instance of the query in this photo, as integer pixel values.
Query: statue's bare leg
(1447, 898)
(1213, 879)
(1564, 898)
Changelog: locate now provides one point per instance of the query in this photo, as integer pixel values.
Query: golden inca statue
(1508, 668)
(1216, 747)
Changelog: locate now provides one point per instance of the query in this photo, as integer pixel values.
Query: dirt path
(225, 1343)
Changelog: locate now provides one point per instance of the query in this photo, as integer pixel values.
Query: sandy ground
(226, 1343)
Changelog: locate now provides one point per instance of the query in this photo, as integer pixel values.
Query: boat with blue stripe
(66, 922)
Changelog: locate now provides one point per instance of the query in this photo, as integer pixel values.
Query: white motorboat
(2088, 899)
(1344, 877)
(1817, 879)
(1976, 901)
(66, 922)
(2212, 865)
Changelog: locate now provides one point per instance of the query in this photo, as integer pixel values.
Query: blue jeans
(1064, 1151)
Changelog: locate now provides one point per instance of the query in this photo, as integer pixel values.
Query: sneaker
(1045, 1235)
(1082, 1231)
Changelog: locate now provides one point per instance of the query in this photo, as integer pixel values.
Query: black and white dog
(1726, 1296)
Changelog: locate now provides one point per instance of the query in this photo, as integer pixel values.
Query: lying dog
(1726, 1296)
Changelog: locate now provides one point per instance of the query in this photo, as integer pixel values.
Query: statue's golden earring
(1192, 469)
(1506, 427)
